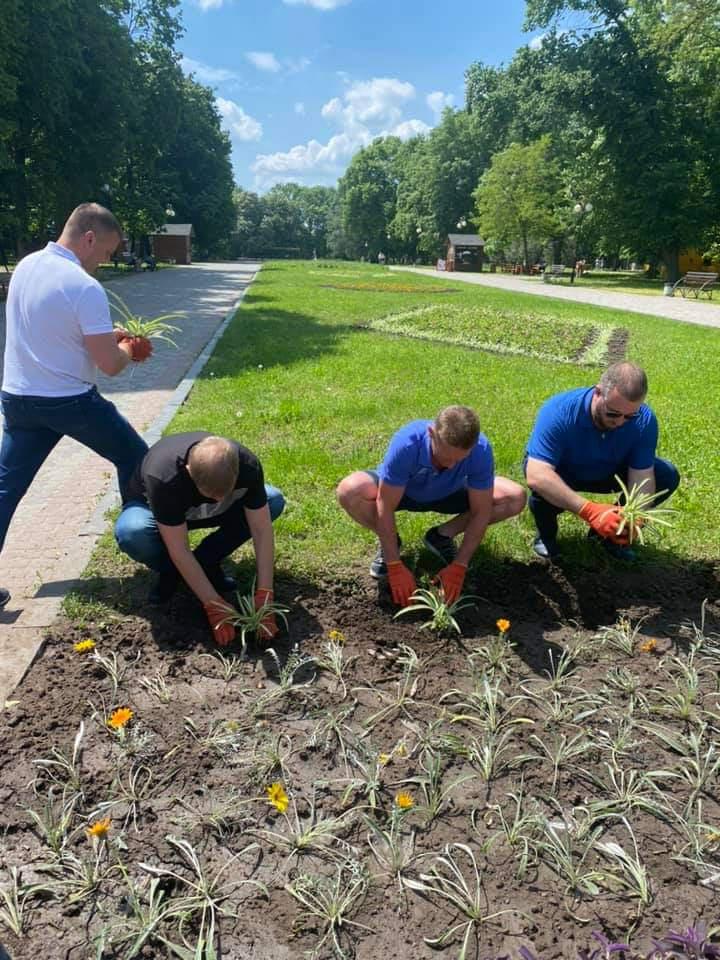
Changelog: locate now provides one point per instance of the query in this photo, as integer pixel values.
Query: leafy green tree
(367, 195)
(519, 196)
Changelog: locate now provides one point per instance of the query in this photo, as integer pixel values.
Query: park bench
(126, 259)
(697, 282)
(556, 271)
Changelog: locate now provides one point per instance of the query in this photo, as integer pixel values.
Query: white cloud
(209, 4)
(365, 110)
(263, 61)
(206, 73)
(537, 42)
(408, 129)
(297, 66)
(240, 125)
(437, 101)
(300, 108)
(317, 4)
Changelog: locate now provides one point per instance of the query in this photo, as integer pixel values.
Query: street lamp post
(462, 223)
(169, 212)
(581, 210)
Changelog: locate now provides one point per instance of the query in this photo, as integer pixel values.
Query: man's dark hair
(92, 216)
(627, 378)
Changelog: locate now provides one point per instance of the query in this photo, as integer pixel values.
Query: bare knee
(509, 499)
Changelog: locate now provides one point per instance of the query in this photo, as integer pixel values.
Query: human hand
(121, 334)
(402, 583)
(604, 520)
(141, 349)
(217, 612)
(452, 578)
(268, 626)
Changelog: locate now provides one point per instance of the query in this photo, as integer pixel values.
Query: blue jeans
(34, 426)
(667, 478)
(137, 533)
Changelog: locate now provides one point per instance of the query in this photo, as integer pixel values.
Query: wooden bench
(697, 282)
(556, 271)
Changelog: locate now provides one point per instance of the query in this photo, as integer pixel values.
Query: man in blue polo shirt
(581, 440)
(443, 466)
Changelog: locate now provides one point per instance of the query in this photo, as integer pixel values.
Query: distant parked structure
(173, 242)
(464, 252)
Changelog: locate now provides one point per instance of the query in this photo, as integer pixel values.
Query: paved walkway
(703, 312)
(57, 524)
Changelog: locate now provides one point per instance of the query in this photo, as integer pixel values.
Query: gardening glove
(451, 579)
(604, 520)
(218, 611)
(402, 583)
(268, 627)
(141, 349)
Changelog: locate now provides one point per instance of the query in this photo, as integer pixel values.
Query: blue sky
(303, 84)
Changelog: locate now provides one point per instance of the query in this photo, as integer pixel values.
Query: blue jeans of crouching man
(667, 479)
(137, 533)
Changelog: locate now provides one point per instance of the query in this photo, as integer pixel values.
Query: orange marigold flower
(648, 646)
(503, 625)
(83, 646)
(403, 801)
(277, 797)
(99, 829)
(120, 718)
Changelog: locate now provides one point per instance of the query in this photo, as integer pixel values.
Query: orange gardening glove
(604, 520)
(268, 627)
(451, 580)
(217, 612)
(402, 583)
(141, 349)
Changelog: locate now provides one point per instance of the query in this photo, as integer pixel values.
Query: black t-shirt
(162, 480)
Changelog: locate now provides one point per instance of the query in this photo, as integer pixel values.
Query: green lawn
(613, 281)
(300, 380)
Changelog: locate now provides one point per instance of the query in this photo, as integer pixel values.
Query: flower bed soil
(549, 610)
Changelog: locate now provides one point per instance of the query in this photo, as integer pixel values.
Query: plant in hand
(637, 510)
(136, 326)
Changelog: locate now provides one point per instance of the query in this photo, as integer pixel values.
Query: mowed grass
(298, 380)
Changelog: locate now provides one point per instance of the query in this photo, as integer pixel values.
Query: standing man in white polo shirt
(59, 333)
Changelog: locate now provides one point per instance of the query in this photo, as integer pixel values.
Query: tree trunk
(670, 259)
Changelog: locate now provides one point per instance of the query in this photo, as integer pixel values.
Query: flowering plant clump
(99, 829)
(84, 646)
(404, 801)
(337, 636)
(277, 797)
(648, 646)
(120, 718)
(503, 625)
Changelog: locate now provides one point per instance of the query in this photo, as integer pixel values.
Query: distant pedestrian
(59, 333)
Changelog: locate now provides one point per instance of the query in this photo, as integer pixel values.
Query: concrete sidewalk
(702, 312)
(58, 522)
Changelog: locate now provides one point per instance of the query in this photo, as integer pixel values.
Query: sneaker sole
(4, 601)
(378, 576)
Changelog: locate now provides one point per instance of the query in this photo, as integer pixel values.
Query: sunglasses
(616, 415)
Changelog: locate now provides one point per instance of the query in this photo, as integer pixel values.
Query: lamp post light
(580, 209)
(462, 223)
(169, 212)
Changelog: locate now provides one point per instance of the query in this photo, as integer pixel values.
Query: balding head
(213, 467)
(91, 217)
(628, 379)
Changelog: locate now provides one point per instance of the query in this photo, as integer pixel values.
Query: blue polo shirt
(408, 463)
(565, 436)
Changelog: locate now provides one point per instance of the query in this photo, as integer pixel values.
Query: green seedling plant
(440, 616)
(202, 897)
(55, 820)
(397, 703)
(332, 732)
(312, 833)
(220, 815)
(446, 881)
(436, 795)
(333, 660)
(157, 686)
(487, 706)
(520, 829)
(130, 791)
(561, 752)
(248, 620)
(60, 771)
(115, 670)
(567, 857)
(156, 328)
(228, 738)
(330, 902)
(623, 791)
(622, 636)
(638, 510)
(145, 910)
(630, 873)
(230, 665)
(392, 846)
(286, 677)
(15, 897)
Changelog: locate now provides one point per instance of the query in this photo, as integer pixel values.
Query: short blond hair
(213, 466)
(91, 216)
(458, 426)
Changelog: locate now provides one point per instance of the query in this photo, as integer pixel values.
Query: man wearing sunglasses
(581, 440)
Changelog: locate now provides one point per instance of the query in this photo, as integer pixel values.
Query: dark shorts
(454, 503)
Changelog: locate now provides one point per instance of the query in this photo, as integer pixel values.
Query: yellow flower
(712, 837)
(99, 829)
(648, 646)
(120, 718)
(277, 797)
(503, 625)
(384, 759)
(403, 801)
(83, 646)
(401, 750)
(336, 636)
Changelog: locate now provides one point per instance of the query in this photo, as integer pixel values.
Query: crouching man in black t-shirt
(192, 480)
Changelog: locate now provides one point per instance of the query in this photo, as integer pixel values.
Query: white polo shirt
(52, 304)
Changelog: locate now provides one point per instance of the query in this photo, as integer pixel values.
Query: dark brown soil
(550, 611)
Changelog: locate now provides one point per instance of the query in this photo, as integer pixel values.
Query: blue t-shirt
(565, 436)
(408, 463)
